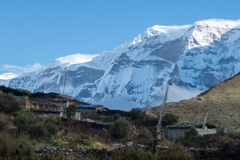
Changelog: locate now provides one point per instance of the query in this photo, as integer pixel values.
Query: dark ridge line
(203, 93)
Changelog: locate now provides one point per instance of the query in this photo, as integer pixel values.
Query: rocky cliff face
(193, 57)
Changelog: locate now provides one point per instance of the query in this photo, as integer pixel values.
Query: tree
(24, 119)
(169, 119)
(136, 113)
(9, 103)
(120, 129)
(71, 111)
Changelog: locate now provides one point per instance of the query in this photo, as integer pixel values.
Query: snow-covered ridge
(193, 57)
(219, 23)
(76, 59)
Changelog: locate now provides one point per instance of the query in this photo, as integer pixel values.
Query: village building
(21, 95)
(44, 105)
(46, 113)
(179, 130)
(87, 110)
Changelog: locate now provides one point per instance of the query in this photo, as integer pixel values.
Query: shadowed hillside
(222, 101)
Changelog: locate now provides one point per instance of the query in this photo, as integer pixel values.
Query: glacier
(192, 57)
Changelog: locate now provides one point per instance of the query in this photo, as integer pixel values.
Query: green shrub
(71, 111)
(149, 121)
(175, 152)
(24, 119)
(116, 116)
(24, 150)
(6, 145)
(145, 136)
(120, 129)
(38, 130)
(53, 119)
(9, 103)
(169, 119)
(145, 133)
(129, 153)
(52, 129)
(3, 123)
(191, 133)
(136, 113)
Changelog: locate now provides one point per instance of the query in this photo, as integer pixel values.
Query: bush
(52, 129)
(191, 133)
(230, 150)
(144, 133)
(176, 152)
(38, 131)
(136, 113)
(24, 119)
(149, 121)
(4, 124)
(71, 111)
(53, 119)
(6, 145)
(192, 139)
(9, 103)
(128, 153)
(169, 119)
(24, 150)
(145, 136)
(120, 129)
(116, 116)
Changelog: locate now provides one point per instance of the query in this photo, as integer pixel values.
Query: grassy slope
(222, 101)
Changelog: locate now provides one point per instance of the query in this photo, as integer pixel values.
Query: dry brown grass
(222, 101)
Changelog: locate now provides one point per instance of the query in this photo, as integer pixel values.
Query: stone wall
(175, 133)
(206, 131)
(113, 112)
(24, 100)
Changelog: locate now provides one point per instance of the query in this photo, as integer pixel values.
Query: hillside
(222, 101)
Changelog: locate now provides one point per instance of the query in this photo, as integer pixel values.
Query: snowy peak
(76, 59)
(193, 57)
(218, 23)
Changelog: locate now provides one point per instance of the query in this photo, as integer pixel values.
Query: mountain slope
(222, 101)
(193, 57)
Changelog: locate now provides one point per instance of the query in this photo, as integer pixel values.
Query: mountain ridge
(193, 57)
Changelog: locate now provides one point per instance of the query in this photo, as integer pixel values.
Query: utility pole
(159, 136)
(204, 123)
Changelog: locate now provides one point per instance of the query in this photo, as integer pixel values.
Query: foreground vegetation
(21, 133)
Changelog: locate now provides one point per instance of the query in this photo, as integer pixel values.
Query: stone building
(46, 113)
(88, 110)
(21, 95)
(179, 130)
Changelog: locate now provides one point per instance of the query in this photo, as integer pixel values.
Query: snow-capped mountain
(6, 77)
(193, 57)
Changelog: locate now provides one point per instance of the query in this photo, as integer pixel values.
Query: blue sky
(36, 32)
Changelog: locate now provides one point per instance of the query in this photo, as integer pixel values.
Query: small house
(179, 130)
(88, 110)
